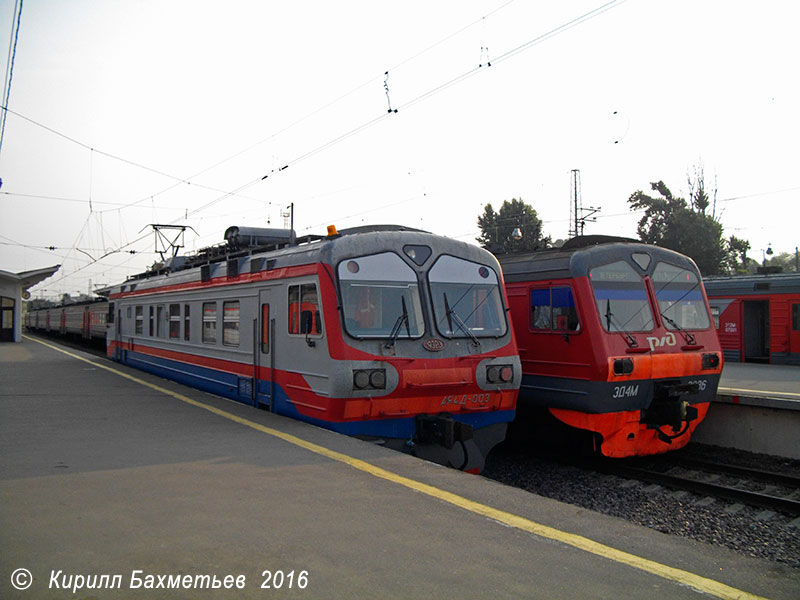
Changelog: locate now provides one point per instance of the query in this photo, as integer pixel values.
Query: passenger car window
(210, 322)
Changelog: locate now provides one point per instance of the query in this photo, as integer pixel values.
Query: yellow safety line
(702, 584)
(761, 393)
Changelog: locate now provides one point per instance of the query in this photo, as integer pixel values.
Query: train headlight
(623, 366)
(360, 379)
(499, 373)
(372, 379)
(710, 361)
(377, 379)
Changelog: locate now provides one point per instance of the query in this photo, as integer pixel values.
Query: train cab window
(174, 321)
(467, 300)
(621, 298)
(210, 322)
(230, 323)
(680, 297)
(553, 309)
(186, 322)
(380, 297)
(139, 327)
(304, 313)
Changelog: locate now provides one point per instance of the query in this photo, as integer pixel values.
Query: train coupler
(669, 408)
(442, 430)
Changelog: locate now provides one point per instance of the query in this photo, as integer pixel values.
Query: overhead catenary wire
(425, 95)
(10, 68)
(355, 130)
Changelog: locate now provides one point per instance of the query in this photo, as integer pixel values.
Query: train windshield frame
(679, 297)
(621, 298)
(467, 299)
(380, 297)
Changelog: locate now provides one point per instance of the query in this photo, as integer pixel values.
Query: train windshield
(466, 299)
(621, 298)
(679, 296)
(380, 297)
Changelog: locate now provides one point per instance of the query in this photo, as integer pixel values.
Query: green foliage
(497, 228)
(787, 261)
(738, 263)
(670, 222)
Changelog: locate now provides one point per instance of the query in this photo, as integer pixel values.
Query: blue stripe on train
(230, 385)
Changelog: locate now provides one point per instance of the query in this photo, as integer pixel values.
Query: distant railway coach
(757, 317)
(391, 334)
(615, 339)
(86, 320)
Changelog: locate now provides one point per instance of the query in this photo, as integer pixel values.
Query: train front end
(425, 360)
(657, 358)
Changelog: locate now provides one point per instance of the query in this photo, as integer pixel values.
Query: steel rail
(782, 479)
(777, 503)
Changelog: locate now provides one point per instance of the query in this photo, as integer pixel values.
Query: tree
(498, 228)
(739, 263)
(669, 221)
(787, 261)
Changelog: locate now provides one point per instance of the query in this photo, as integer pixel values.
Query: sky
(173, 112)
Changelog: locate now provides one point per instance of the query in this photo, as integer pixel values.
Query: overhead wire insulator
(386, 87)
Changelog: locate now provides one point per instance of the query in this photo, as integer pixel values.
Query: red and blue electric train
(401, 336)
(615, 339)
(386, 333)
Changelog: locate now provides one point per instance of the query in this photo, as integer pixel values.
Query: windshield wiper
(403, 318)
(629, 339)
(686, 335)
(453, 316)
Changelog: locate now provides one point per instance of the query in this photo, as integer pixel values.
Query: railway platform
(757, 409)
(118, 484)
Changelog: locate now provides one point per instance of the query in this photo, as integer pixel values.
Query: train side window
(161, 321)
(265, 328)
(152, 321)
(129, 312)
(230, 323)
(186, 322)
(209, 322)
(553, 309)
(294, 309)
(304, 315)
(174, 321)
(139, 328)
(565, 317)
(540, 309)
(795, 317)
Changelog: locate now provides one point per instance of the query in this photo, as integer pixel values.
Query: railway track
(752, 487)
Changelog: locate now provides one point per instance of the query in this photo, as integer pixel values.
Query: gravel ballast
(751, 531)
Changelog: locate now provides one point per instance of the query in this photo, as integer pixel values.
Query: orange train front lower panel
(623, 433)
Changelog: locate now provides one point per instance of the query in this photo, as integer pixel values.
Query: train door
(264, 350)
(756, 331)
(86, 324)
(794, 333)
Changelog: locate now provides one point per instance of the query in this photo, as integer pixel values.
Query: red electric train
(616, 340)
(757, 317)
